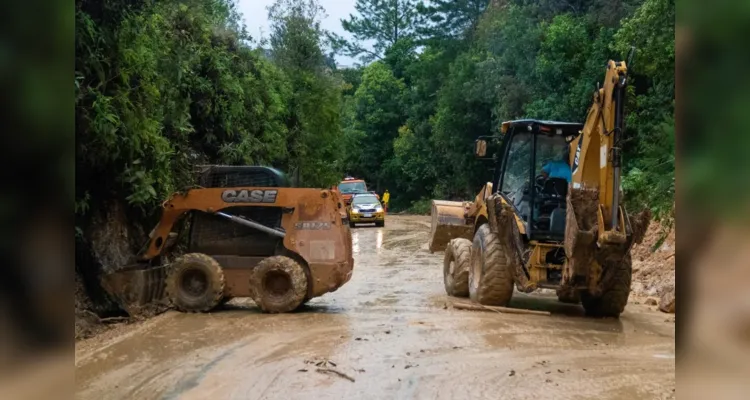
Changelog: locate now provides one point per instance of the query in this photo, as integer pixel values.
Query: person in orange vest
(386, 198)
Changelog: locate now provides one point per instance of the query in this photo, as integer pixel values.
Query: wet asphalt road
(388, 330)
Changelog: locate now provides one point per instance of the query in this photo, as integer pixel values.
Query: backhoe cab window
(552, 152)
(516, 176)
(352, 187)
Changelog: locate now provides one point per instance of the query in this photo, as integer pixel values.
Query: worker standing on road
(386, 197)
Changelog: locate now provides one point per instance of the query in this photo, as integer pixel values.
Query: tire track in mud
(388, 329)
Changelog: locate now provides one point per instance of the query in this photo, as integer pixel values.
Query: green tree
(383, 22)
(450, 18)
(162, 86)
(378, 114)
(650, 124)
(464, 112)
(414, 161)
(315, 136)
(465, 70)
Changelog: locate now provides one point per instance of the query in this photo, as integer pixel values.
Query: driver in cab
(558, 168)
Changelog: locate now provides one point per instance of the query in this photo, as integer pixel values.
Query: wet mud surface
(390, 332)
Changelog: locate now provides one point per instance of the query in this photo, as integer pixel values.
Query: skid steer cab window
(515, 181)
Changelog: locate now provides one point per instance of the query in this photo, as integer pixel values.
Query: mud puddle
(388, 331)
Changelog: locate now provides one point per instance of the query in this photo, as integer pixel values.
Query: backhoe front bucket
(135, 286)
(448, 222)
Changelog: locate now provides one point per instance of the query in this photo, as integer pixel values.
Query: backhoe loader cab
(530, 150)
(250, 235)
(551, 215)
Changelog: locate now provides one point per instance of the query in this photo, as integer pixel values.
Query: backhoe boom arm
(597, 159)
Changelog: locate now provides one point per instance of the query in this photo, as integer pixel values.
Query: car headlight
(355, 209)
(378, 209)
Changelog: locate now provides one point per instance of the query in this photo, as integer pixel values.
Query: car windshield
(365, 200)
(352, 187)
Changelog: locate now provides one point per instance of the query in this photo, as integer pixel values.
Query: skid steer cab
(249, 235)
(551, 216)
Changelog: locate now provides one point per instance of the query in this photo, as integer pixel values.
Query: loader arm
(213, 200)
(597, 159)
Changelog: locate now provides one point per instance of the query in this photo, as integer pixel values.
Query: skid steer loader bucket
(135, 286)
(448, 222)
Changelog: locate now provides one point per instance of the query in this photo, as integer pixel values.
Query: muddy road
(389, 331)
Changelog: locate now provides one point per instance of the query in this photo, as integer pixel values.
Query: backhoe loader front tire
(456, 264)
(491, 272)
(278, 284)
(195, 283)
(614, 298)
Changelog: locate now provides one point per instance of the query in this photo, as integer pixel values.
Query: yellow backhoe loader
(552, 216)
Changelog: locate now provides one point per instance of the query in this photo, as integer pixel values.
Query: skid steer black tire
(278, 284)
(614, 298)
(195, 283)
(456, 264)
(491, 271)
(568, 296)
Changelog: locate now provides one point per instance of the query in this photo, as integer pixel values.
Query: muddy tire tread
(614, 298)
(296, 296)
(216, 286)
(496, 282)
(458, 251)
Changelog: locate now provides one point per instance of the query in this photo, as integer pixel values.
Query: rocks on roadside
(650, 301)
(666, 304)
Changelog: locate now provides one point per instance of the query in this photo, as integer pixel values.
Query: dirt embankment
(654, 267)
(110, 241)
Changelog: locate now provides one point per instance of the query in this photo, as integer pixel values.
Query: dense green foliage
(519, 59)
(164, 86)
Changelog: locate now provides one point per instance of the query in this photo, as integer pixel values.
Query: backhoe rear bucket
(135, 286)
(580, 230)
(448, 222)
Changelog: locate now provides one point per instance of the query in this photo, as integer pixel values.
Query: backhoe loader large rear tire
(195, 283)
(614, 298)
(278, 284)
(456, 265)
(491, 272)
